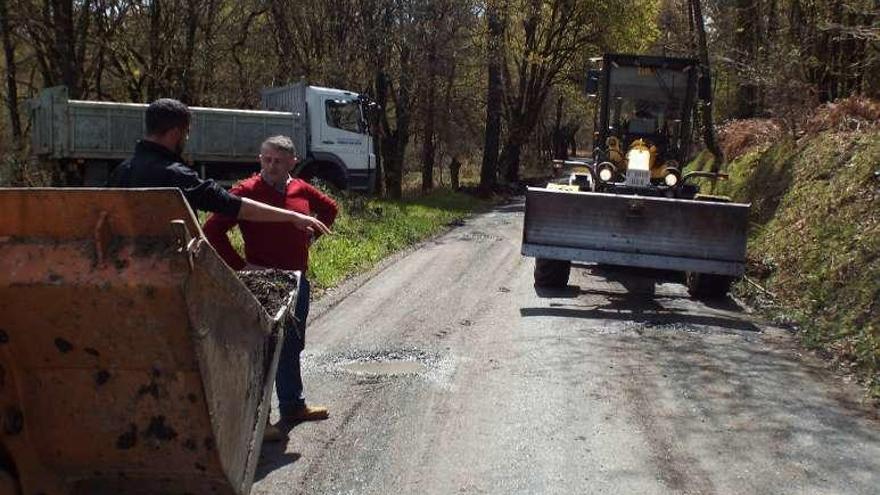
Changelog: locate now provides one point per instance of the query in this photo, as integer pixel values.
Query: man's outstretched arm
(255, 211)
(207, 195)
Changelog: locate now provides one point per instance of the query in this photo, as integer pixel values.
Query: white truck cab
(337, 138)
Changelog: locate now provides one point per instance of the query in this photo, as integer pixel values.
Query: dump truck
(633, 203)
(132, 359)
(329, 127)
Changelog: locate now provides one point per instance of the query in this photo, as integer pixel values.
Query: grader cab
(633, 203)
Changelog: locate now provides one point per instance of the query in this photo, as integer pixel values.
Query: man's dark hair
(165, 114)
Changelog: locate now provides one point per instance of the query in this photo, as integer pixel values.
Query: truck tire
(552, 273)
(708, 285)
(329, 173)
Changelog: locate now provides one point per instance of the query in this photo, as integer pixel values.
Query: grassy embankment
(370, 229)
(815, 240)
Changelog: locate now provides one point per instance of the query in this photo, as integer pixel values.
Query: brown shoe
(308, 413)
(273, 433)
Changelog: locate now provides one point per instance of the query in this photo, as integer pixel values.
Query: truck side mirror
(592, 85)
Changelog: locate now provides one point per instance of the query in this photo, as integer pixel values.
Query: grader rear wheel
(707, 285)
(551, 273)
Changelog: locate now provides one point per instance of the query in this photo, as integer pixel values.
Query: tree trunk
(394, 141)
(283, 40)
(509, 161)
(155, 44)
(709, 137)
(428, 147)
(379, 139)
(189, 50)
(510, 154)
(559, 139)
(379, 184)
(746, 38)
(454, 168)
(392, 164)
(494, 99)
(402, 116)
(64, 51)
(11, 73)
(772, 23)
(428, 144)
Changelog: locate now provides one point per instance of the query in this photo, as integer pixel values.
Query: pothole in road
(385, 367)
(480, 237)
(407, 363)
(387, 362)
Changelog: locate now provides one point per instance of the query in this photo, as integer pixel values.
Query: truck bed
(75, 129)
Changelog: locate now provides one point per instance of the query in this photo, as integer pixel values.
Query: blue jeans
(288, 378)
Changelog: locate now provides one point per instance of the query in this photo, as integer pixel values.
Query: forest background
(489, 87)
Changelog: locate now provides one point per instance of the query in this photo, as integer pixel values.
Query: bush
(849, 114)
(815, 241)
(737, 137)
(17, 171)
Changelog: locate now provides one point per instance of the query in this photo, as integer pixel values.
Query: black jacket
(153, 165)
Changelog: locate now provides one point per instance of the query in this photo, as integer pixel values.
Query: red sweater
(271, 244)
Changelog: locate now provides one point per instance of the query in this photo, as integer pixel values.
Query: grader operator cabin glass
(648, 101)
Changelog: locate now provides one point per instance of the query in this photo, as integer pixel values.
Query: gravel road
(445, 372)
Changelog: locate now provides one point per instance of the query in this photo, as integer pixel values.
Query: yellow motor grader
(632, 203)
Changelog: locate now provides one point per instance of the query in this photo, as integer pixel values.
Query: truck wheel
(707, 285)
(328, 174)
(551, 273)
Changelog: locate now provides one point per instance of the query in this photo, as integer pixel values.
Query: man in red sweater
(282, 246)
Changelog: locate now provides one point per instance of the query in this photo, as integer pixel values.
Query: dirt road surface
(447, 373)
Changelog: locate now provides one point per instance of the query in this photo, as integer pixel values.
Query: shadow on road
(274, 455)
(637, 302)
(641, 314)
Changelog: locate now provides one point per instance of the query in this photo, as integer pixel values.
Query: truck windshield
(647, 100)
(345, 115)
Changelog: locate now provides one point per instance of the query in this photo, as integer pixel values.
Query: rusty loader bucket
(132, 359)
(640, 231)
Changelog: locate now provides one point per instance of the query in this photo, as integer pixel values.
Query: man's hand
(311, 225)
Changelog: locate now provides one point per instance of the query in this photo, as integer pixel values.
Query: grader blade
(640, 231)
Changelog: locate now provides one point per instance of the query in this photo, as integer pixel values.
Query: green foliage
(816, 245)
(368, 230)
(17, 171)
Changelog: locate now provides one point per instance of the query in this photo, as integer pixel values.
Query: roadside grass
(368, 230)
(815, 241)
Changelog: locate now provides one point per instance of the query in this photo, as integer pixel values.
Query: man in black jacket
(157, 163)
